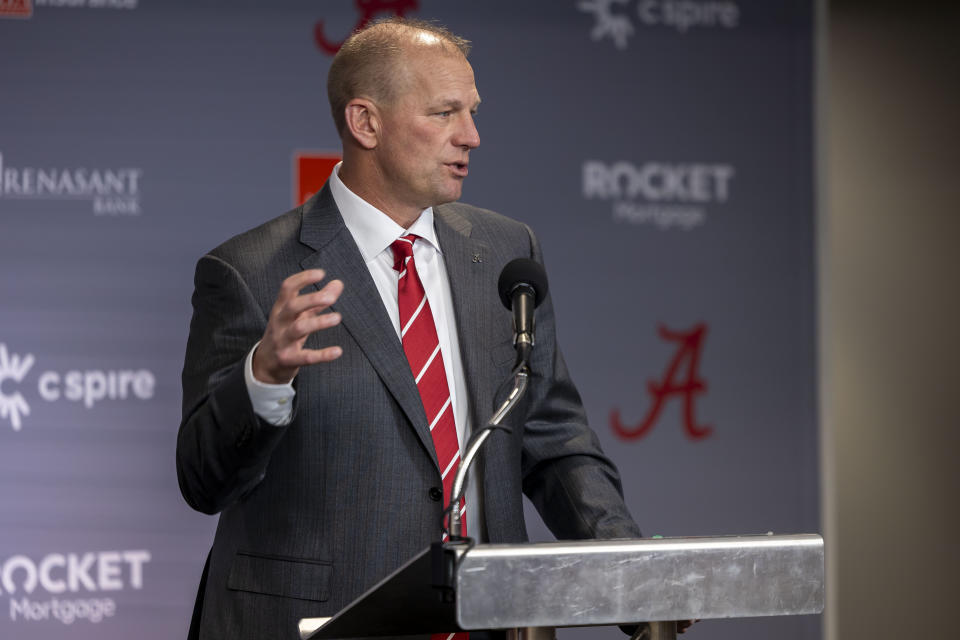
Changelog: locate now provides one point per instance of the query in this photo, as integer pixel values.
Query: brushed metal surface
(622, 581)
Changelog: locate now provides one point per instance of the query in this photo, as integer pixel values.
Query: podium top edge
(587, 547)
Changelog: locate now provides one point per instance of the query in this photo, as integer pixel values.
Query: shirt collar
(372, 229)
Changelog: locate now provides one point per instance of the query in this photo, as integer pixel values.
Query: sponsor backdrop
(661, 148)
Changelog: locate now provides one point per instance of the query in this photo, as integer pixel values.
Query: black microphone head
(522, 271)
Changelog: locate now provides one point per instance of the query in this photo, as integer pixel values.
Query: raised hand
(293, 318)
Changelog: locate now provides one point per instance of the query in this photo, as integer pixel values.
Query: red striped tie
(419, 336)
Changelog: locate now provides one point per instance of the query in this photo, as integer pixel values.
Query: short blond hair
(367, 63)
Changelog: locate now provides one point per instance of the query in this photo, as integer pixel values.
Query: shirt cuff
(272, 402)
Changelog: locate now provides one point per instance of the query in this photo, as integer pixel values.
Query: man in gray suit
(303, 425)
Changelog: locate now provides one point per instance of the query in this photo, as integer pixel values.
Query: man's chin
(448, 196)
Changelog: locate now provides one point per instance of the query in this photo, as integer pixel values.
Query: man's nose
(467, 135)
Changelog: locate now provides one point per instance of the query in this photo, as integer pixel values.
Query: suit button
(435, 494)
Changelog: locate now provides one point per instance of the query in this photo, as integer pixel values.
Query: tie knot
(402, 250)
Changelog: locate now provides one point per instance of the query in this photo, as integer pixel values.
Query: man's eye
(444, 114)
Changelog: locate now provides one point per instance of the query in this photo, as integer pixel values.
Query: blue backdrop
(662, 149)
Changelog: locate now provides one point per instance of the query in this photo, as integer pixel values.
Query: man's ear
(363, 122)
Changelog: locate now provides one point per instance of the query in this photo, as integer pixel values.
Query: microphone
(522, 286)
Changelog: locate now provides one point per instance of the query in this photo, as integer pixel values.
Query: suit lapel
(469, 271)
(360, 305)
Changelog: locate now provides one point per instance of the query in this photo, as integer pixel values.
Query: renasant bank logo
(112, 192)
(664, 194)
(88, 387)
(619, 23)
(62, 577)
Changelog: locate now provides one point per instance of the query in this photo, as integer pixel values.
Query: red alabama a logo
(686, 384)
(368, 10)
(16, 8)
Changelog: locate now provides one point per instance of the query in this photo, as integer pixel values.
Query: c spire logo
(615, 26)
(681, 15)
(87, 387)
(13, 369)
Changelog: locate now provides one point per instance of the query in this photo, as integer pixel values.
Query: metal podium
(456, 587)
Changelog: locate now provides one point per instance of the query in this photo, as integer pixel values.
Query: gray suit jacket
(314, 513)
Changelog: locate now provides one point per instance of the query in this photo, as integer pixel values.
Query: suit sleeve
(223, 447)
(574, 486)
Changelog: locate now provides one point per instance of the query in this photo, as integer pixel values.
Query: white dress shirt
(374, 233)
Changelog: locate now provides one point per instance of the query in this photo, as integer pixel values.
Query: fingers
(316, 301)
(293, 319)
(307, 323)
(291, 359)
(314, 356)
(293, 284)
(291, 287)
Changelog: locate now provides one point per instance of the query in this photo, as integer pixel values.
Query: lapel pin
(477, 258)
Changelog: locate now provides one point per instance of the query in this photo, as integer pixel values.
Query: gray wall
(889, 316)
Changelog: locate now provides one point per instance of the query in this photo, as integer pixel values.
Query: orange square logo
(16, 8)
(310, 170)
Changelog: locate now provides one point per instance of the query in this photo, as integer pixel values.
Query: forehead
(433, 73)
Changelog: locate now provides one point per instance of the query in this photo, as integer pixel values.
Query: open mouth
(459, 168)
